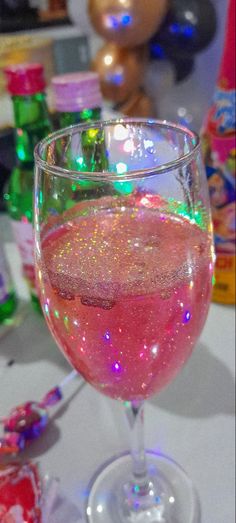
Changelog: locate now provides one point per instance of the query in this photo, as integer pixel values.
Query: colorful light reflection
(187, 316)
(116, 367)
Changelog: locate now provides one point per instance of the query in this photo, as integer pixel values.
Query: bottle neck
(75, 117)
(32, 123)
(93, 145)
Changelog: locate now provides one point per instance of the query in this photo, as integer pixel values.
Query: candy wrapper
(26, 498)
(26, 422)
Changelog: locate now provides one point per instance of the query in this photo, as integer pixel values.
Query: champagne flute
(124, 259)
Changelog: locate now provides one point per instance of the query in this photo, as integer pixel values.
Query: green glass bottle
(8, 300)
(32, 123)
(78, 99)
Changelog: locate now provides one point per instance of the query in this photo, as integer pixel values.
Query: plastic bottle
(219, 147)
(26, 85)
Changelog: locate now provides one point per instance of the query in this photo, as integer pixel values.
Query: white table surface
(192, 420)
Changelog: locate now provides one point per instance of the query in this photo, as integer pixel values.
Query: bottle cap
(25, 79)
(76, 91)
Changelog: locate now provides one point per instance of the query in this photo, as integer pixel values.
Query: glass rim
(113, 175)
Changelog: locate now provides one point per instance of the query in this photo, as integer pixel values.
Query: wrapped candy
(27, 422)
(25, 497)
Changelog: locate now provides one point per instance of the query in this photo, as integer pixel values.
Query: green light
(80, 161)
(40, 197)
(66, 321)
(124, 187)
(213, 280)
(86, 114)
(21, 153)
(136, 489)
(74, 186)
(56, 314)
(6, 196)
(198, 214)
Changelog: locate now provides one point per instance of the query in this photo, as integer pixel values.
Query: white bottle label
(23, 233)
(5, 280)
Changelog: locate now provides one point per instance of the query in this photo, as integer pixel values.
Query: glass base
(170, 496)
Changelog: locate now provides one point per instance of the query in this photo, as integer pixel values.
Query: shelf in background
(28, 23)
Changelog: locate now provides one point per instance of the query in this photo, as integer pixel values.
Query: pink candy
(26, 422)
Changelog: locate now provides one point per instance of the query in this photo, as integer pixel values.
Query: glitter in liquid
(134, 290)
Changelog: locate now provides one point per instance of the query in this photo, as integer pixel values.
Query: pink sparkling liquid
(126, 294)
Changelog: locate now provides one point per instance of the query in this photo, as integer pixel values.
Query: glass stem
(135, 415)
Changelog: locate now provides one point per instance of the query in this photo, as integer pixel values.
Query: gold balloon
(127, 22)
(139, 105)
(120, 70)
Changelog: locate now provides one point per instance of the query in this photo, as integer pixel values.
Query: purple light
(107, 336)
(111, 22)
(187, 317)
(116, 367)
